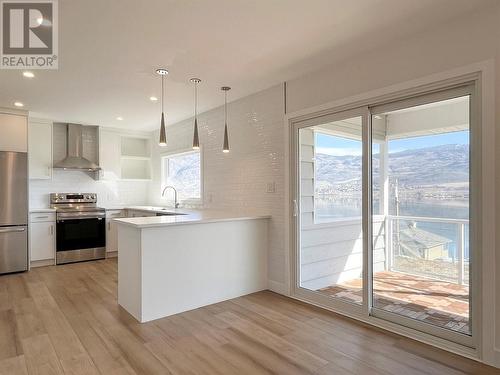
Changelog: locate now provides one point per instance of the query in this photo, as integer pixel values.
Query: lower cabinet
(111, 230)
(42, 232)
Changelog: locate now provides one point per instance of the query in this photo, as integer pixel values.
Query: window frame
(164, 156)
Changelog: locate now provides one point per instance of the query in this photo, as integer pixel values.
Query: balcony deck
(437, 302)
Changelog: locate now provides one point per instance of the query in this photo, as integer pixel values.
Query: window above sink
(183, 170)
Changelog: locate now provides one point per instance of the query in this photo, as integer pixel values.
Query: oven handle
(62, 217)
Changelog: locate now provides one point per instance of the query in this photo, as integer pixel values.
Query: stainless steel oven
(80, 228)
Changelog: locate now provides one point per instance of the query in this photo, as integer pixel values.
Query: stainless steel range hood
(74, 159)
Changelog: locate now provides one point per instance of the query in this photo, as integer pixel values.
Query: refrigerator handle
(7, 230)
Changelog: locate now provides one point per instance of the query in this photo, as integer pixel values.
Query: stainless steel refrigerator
(13, 211)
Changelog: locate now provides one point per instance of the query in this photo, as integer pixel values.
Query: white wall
(458, 43)
(238, 180)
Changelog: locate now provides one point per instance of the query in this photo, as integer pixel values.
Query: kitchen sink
(168, 213)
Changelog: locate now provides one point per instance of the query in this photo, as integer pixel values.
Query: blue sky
(340, 146)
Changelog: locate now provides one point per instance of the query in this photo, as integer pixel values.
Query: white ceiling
(109, 50)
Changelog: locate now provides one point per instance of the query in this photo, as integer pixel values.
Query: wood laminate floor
(66, 320)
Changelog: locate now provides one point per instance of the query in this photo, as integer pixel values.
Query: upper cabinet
(124, 156)
(110, 154)
(135, 158)
(14, 132)
(40, 148)
(133, 147)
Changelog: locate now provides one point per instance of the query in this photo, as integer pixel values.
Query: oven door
(79, 234)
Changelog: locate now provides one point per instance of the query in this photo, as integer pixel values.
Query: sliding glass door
(330, 198)
(421, 196)
(382, 212)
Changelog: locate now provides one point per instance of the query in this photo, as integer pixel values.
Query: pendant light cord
(225, 107)
(162, 93)
(195, 99)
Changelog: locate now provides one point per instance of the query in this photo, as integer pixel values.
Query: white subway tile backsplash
(109, 193)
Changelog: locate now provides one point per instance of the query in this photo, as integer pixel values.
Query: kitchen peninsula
(186, 259)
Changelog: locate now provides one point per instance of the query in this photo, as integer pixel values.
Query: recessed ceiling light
(28, 74)
(18, 104)
(153, 98)
(43, 21)
(119, 118)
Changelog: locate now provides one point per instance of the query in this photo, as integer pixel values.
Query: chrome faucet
(176, 205)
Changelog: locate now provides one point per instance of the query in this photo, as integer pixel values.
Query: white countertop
(157, 209)
(185, 216)
(138, 208)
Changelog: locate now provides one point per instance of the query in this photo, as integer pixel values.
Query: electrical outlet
(271, 187)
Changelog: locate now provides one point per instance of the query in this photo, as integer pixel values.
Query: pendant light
(196, 139)
(163, 136)
(225, 147)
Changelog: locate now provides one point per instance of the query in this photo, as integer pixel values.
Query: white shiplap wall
(239, 180)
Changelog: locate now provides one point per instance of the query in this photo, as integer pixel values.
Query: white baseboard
(495, 361)
(280, 288)
(112, 254)
(42, 263)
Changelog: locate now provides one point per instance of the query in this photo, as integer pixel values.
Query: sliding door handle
(295, 208)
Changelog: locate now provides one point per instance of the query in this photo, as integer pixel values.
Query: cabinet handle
(48, 171)
(51, 230)
(41, 217)
(109, 225)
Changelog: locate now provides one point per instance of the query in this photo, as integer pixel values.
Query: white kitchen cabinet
(110, 154)
(14, 132)
(111, 230)
(42, 232)
(40, 149)
(135, 158)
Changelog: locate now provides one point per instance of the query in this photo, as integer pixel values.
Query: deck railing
(453, 267)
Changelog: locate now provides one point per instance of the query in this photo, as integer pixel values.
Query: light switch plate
(271, 187)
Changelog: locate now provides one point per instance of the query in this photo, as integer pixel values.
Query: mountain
(444, 166)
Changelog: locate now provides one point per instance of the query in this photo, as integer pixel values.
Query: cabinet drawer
(36, 217)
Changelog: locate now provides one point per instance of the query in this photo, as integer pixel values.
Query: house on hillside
(419, 243)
